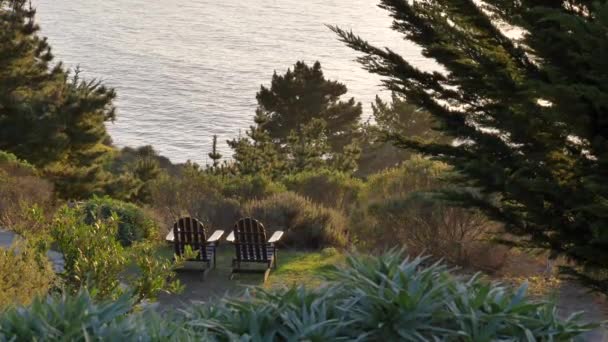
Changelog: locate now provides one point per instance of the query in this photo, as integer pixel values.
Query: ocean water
(185, 70)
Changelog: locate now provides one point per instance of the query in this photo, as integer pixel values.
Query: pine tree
(146, 169)
(255, 153)
(394, 117)
(47, 117)
(302, 94)
(214, 154)
(525, 91)
(307, 147)
(348, 161)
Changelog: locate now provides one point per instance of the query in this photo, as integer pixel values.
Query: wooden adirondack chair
(251, 246)
(188, 231)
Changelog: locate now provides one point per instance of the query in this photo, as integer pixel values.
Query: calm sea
(185, 70)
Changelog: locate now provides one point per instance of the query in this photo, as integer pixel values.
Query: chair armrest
(170, 237)
(276, 236)
(230, 237)
(215, 236)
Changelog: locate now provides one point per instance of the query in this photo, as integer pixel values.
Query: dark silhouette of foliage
(214, 154)
(528, 109)
(394, 117)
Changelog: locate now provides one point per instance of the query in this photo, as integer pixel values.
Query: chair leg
(276, 258)
(234, 268)
(266, 274)
(206, 271)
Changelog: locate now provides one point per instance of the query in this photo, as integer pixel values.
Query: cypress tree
(394, 117)
(146, 169)
(256, 153)
(214, 154)
(524, 91)
(303, 94)
(48, 117)
(307, 147)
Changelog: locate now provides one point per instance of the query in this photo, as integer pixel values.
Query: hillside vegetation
(495, 161)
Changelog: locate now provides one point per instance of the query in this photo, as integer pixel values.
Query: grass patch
(303, 267)
(295, 267)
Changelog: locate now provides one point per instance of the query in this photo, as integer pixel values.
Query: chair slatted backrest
(250, 240)
(188, 231)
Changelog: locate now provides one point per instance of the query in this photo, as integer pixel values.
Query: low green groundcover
(386, 298)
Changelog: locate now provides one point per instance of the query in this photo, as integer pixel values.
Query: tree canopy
(394, 117)
(300, 124)
(525, 92)
(49, 116)
(303, 94)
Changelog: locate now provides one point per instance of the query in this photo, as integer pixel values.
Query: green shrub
(398, 209)
(414, 175)
(93, 256)
(133, 223)
(306, 224)
(154, 274)
(25, 273)
(21, 190)
(423, 223)
(10, 161)
(329, 188)
(195, 193)
(388, 299)
(95, 260)
(82, 318)
(243, 188)
(370, 299)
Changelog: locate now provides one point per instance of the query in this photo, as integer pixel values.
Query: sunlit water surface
(185, 70)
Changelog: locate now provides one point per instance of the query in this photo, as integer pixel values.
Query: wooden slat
(188, 231)
(262, 241)
(182, 234)
(251, 246)
(176, 240)
(250, 240)
(256, 240)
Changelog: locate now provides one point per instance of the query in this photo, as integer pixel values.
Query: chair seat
(247, 255)
(191, 233)
(251, 246)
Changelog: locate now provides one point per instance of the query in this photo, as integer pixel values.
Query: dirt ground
(216, 285)
(571, 297)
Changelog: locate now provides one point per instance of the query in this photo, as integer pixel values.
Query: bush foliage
(96, 260)
(21, 189)
(397, 210)
(306, 224)
(523, 91)
(195, 194)
(382, 298)
(25, 273)
(329, 188)
(248, 187)
(133, 223)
